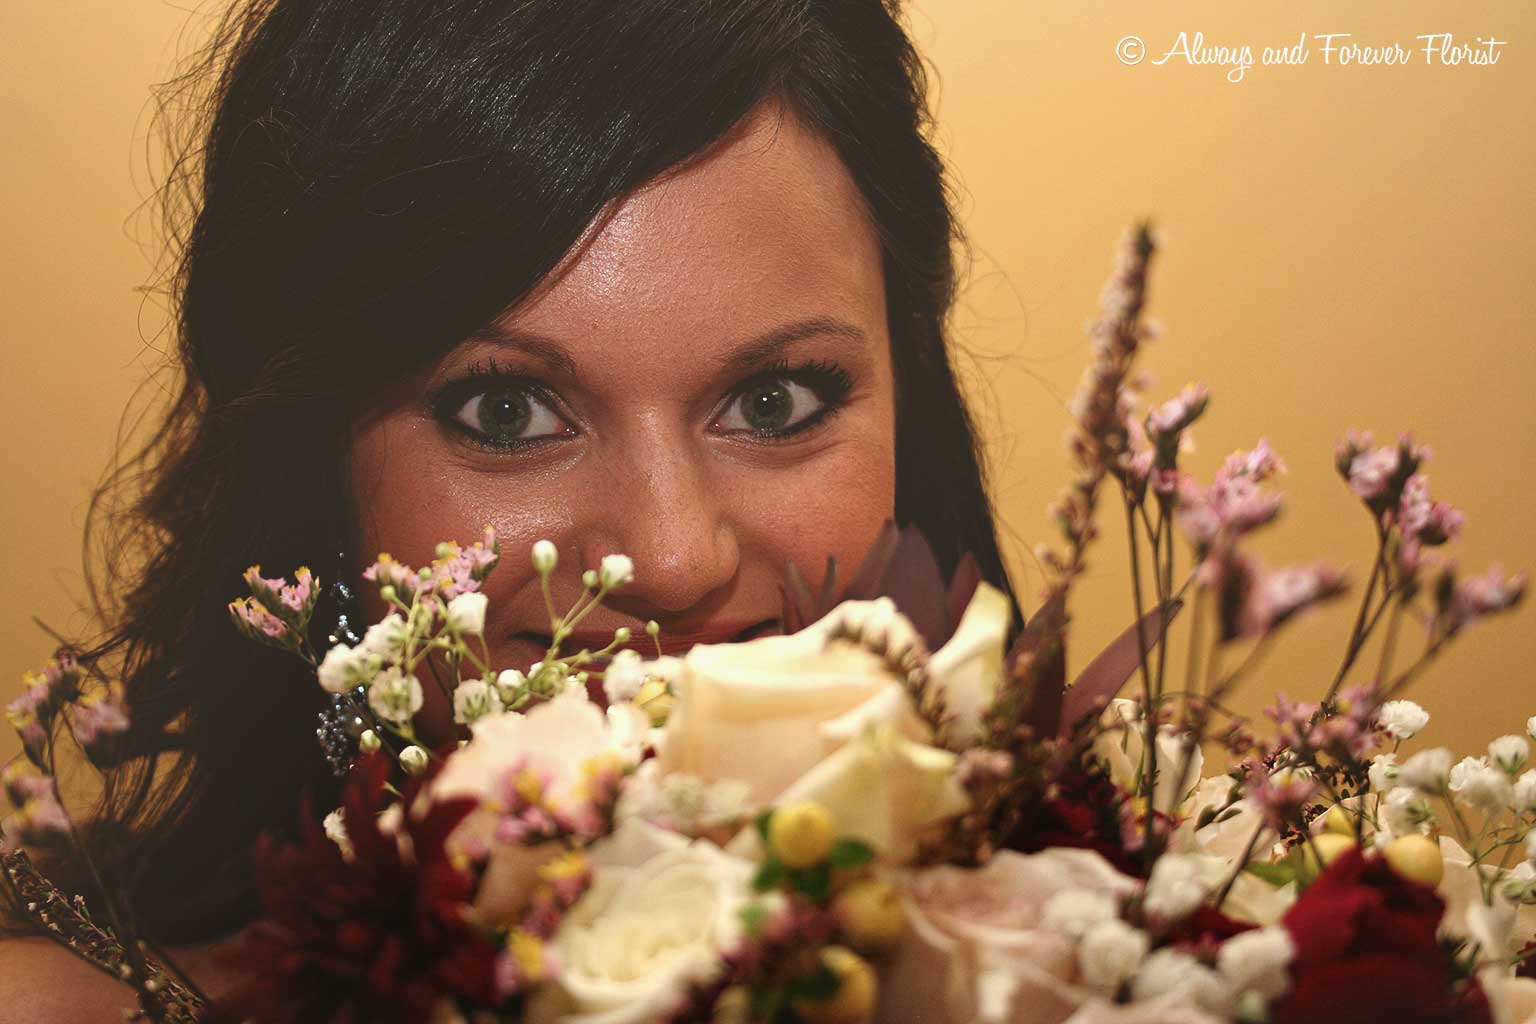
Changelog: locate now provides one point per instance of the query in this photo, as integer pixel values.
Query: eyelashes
(505, 411)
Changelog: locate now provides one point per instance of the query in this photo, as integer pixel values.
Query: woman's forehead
(766, 228)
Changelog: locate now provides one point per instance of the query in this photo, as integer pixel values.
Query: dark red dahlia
(380, 938)
(1366, 952)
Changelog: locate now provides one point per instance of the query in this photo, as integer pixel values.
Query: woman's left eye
(774, 407)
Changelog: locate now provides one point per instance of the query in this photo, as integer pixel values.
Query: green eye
(768, 406)
(504, 414)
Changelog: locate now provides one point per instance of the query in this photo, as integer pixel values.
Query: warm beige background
(1344, 247)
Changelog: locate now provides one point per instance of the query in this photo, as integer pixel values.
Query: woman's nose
(673, 519)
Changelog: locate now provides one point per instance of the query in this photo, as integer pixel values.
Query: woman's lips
(671, 643)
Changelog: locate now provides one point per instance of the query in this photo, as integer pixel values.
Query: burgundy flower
(1366, 952)
(379, 938)
(1080, 808)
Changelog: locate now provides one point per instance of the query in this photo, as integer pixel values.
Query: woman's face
(705, 385)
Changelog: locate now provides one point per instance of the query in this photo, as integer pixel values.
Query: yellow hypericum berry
(1339, 821)
(801, 835)
(1416, 858)
(854, 1000)
(871, 914)
(1325, 845)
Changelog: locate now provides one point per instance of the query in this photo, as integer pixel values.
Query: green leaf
(814, 883)
(1275, 874)
(848, 853)
(761, 824)
(753, 917)
(821, 983)
(769, 876)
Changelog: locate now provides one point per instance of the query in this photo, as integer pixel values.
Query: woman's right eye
(505, 415)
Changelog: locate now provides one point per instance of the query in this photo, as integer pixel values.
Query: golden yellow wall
(1344, 247)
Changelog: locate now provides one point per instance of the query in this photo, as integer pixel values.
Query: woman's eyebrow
(765, 347)
(745, 358)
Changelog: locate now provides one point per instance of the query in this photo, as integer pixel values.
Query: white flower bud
(1384, 773)
(1174, 889)
(1479, 785)
(653, 628)
(1073, 911)
(1525, 793)
(589, 579)
(466, 613)
(615, 571)
(1428, 770)
(508, 684)
(622, 635)
(369, 742)
(1510, 753)
(387, 637)
(336, 832)
(413, 759)
(1407, 812)
(1110, 953)
(1530, 727)
(395, 696)
(1257, 961)
(1403, 719)
(473, 700)
(344, 668)
(623, 677)
(1170, 970)
(1519, 885)
(545, 555)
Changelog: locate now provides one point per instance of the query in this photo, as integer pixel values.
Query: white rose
(466, 613)
(768, 710)
(1120, 745)
(968, 669)
(1403, 719)
(658, 918)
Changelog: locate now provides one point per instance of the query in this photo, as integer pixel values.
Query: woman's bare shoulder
(42, 983)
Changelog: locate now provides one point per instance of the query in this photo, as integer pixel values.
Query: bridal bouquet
(896, 811)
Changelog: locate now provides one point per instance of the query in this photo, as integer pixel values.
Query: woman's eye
(773, 407)
(508, 415)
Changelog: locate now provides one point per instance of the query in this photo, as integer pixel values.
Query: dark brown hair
(363, 186)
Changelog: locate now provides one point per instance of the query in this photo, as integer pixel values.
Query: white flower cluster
(1113, 954)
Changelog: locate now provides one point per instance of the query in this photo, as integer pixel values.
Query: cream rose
(768, 710)
(660, 915)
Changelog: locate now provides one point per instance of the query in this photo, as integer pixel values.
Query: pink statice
(1377, 475)
(1281, 796)
(1422, 522)
(1174, 416)
(1277, 596)
(1234, 504)
(386, 571)
(253, 619)
(1465, 601)
(291, 603)
(100, 713)
(39, 817)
